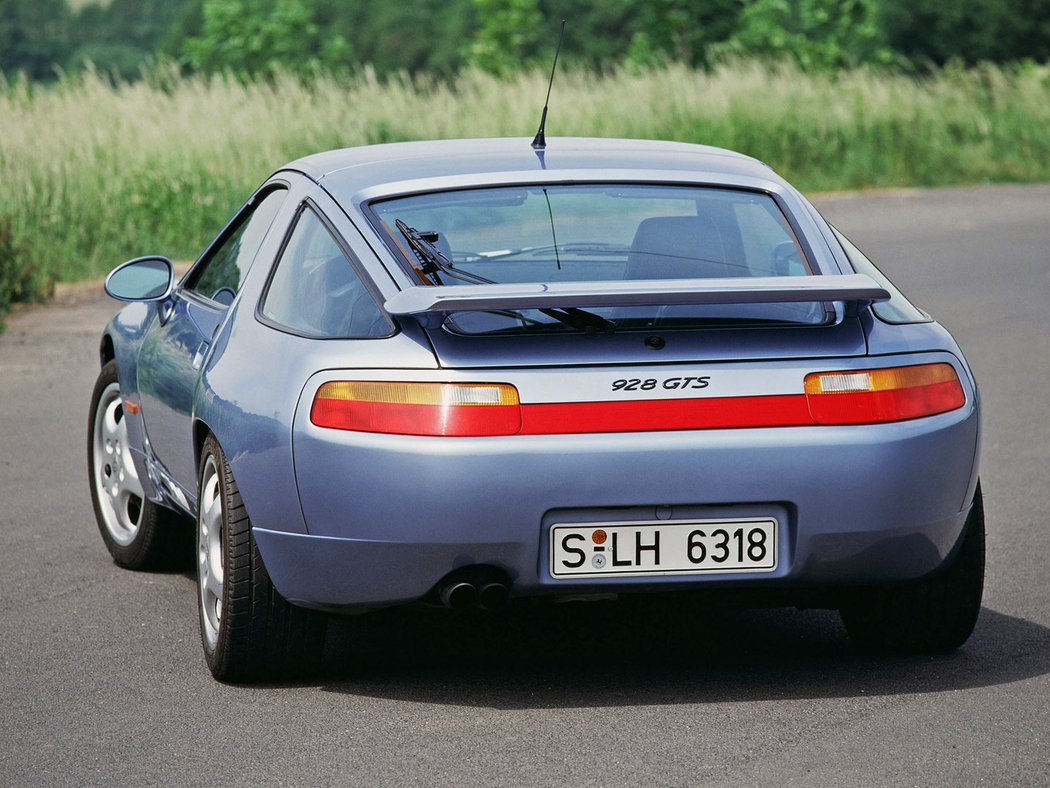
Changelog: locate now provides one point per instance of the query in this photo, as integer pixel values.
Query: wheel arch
(106, 351)
(201, 431)
(252, 424)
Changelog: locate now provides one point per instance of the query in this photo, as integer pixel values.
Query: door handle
(198, 357)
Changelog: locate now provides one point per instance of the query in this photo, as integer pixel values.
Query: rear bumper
(344, 574)
(390, 516)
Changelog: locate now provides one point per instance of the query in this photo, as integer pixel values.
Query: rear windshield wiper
(433, 262)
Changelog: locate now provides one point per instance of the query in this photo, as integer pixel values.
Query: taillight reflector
(454, 409)
(880, 395)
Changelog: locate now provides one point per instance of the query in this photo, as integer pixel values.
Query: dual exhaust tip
(463, 593)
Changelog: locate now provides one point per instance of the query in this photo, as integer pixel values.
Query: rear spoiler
(855, 288)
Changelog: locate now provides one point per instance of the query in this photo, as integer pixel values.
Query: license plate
(661, 547)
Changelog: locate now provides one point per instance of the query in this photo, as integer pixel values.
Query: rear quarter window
(898, 309)
(316, 291)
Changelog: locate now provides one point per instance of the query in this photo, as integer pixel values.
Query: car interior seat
(677, 247)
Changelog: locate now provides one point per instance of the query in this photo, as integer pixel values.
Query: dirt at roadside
(39, 334)
(46, 336)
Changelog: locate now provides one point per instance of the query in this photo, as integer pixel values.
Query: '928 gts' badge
(667, 384)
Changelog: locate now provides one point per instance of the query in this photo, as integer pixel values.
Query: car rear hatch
(840, 335)
(707, 372)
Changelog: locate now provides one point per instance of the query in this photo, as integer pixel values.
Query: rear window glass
(603, 232)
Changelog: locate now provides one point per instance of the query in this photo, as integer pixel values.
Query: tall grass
(94, 173)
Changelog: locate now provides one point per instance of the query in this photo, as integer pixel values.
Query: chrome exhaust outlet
(459, 595)
(492, 596)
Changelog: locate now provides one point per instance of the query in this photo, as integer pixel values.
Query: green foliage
(117, 37)
(507, 37)
(32, 36)
(97, 172)
(969, 30)
(239, 37)
(818, 34)
(681, 30)
(19, 279)
(514, 34)
(441, 37)
(418, 36)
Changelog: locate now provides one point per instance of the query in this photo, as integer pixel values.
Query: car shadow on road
(609, 655)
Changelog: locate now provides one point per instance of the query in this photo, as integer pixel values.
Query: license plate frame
(682, 547)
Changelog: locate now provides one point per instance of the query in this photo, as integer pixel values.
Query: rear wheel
(138, 533)
(933, 615)
(248, 630)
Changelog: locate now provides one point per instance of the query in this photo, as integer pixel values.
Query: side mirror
(142, 279)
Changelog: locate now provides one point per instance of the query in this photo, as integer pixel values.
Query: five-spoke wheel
(248, 630)
(209, 551)
(139, 533)
(117, 486)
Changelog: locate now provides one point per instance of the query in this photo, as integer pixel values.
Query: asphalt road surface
(102, 678)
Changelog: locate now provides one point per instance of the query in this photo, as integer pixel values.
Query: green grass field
(95, 173)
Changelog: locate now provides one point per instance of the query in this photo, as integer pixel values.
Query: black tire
(138, 533)
(248, 630)
(934, 615)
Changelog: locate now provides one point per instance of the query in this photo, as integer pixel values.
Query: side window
(220, 275)
(316, 292)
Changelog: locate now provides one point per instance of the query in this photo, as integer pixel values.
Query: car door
(176, 345)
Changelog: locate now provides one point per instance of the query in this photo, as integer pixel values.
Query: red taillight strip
(709, 413)
(475, 410)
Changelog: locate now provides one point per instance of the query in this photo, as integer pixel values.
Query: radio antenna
(539, 142)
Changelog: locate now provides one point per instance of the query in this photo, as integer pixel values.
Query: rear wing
(854, 288)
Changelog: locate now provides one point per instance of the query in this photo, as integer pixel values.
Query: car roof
(347, 171)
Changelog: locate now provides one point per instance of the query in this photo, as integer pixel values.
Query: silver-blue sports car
(465, 372)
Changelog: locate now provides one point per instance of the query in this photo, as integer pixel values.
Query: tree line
(250, 38)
